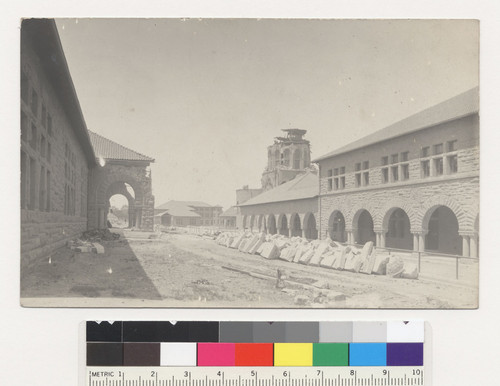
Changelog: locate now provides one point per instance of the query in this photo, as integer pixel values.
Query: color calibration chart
(158, 353)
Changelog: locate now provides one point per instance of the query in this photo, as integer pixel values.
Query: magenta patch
(216, 354)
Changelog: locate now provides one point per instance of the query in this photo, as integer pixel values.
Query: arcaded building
(413, 185)
(67, 175)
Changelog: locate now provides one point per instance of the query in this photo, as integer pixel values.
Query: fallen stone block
(307, 256)
(237, 241)
(284, 254)
(242, 245)
(255, 248)
(251, 243)
(410, 271)
(318, 253)
(99, 249)
(353, 262)
(328, 259)
(369, 262)
(270, 251)
(395, 266)
(380, 264)
(344, 256)
(281, 243)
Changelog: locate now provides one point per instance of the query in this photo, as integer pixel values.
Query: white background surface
(40, 346)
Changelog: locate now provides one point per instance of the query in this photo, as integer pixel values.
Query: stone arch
(271, 224)
(337, 226)
(261, 222)
(442, 230)
(434, 202)
(286, 157)
(106, 179)
(120, 188)
(389, 208)
(363, 226)
(296, 159)
(397, 229)
(309, 228)
(252, 221)
(244, 221)
(295, 225)
(282, 225)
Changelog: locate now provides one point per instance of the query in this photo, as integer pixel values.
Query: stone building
(118, 167)
(413, 185)
(290, 209)
(64, 189)
(184, 213)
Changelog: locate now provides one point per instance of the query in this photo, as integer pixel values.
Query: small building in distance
(187, 213)
(227, 219)
(412, 185)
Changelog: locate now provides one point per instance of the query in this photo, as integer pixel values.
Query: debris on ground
(99, 235)
(322, 253)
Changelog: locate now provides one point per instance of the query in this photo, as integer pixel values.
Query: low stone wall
(42, 233)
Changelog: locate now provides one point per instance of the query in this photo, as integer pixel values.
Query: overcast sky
(206, 97)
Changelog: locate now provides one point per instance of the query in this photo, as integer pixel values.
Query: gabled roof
(111, 150)
(192, 204)
(302, 186)
(457, 107)
(231, 212)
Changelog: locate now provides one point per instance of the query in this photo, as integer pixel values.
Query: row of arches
(291, 225)
(438, 231)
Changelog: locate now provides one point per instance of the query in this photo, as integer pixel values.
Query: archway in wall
(442, 233)
(296, 226)
(336, 227)
(252, 222)
(260, 223)
(120, 206)
(398, 230)
(365, 228)
(296, 159)
(244, 222)
(271, 225)
(310, 231)
(283, 225)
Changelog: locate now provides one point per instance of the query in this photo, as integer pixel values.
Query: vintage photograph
(262, 163)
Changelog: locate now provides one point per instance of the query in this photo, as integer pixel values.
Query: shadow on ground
(115, 274)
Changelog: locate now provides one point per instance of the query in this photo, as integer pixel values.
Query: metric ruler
(260, 376)
(159, 353)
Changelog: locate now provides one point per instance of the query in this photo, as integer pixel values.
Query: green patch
(330, 354)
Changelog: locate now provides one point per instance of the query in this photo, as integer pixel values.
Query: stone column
(465, 246)
(473, 246)
(377, 239)
(415, 242)
(421, 242)
(290, 232)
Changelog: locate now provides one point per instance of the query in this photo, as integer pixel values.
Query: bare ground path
(179, 270)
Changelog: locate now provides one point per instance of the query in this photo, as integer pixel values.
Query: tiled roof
(231, 212)
(303, 186)
(457, 107)
(174, 203)
(111, 150)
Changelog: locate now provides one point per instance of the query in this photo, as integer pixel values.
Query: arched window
(296, 159)
(286, 157)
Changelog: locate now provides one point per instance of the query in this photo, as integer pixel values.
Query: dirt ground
(178, 270)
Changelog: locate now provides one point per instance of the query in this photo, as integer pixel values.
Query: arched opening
(296, 225)
(283, 225)
(365, 228)
(244, 222)
(120, 211)
(310, 231)
(285, 157)
(398, 230)
(276, 157)
(260, 223)
(336, 227)
(252, 221)
(271, 225)
(296, 159)
(442, 233)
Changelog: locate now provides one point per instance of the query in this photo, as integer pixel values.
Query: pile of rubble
(323, 253)
(99, 235)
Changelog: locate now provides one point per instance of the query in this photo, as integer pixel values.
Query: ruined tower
(287, 157)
